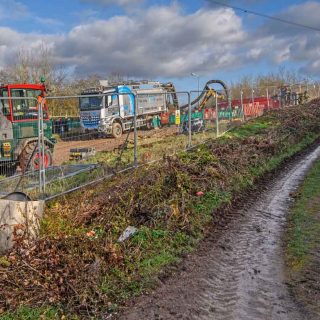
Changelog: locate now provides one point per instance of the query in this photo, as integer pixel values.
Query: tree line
(31, 64)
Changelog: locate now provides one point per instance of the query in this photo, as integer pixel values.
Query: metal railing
(85, 152)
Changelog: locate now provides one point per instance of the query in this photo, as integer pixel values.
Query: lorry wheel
(34, 162)
(116, 130)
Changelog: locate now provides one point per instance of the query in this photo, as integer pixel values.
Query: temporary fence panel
(26, 141)
(313, 90)
(203, 115)
(164, 130)
(83, 139)
(98, 146)
(99, 120)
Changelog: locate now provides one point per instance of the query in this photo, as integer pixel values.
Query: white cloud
(11, 42)
(279, 42)
(163, 41)
(160, 41)
(114, 2)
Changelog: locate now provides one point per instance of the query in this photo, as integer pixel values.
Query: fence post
(135, 133)
(217, 117)
(189, 121)
(280, 98)
(252, 99)
(242, 107)
(230, 105)
(41, 149)
(268, 102)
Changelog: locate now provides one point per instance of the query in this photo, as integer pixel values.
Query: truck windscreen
(90, 103)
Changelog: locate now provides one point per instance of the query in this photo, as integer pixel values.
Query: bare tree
(273, 81)
(31, 64)
(69, 107)
(117, 77)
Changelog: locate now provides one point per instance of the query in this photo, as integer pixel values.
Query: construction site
(133, 199)
(95, 169)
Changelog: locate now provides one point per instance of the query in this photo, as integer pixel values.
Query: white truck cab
(110, 108)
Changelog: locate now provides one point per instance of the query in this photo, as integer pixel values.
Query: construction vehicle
(201, 107)
(208, 95)
(19, 127)
(109, 109)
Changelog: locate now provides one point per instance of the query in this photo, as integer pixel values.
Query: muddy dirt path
(241, 275)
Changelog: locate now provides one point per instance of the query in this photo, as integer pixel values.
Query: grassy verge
(80, 263)
(304, 231)
(303, 242)
(26, 313)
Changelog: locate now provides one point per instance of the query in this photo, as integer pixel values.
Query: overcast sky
(164, 40)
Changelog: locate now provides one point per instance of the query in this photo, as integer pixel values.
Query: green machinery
(19, 127)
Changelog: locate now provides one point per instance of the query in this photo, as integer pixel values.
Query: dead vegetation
(78, 265)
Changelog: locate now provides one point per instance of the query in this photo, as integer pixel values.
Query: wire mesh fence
(24, 139)
(163, 132)
(55, 145)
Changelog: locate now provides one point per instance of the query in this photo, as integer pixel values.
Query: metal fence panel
(58, 144)
(19, 135)
(165, 131)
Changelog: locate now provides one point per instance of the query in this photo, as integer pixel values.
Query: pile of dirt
(78, 263)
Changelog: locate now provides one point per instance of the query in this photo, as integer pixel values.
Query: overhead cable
(296, 24)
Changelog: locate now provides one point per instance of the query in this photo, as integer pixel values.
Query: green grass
(253, 128)
(156, 147)
(153, 249)
(25, 313)
(304, 228)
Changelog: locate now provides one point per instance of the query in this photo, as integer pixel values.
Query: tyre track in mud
(240, 275)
